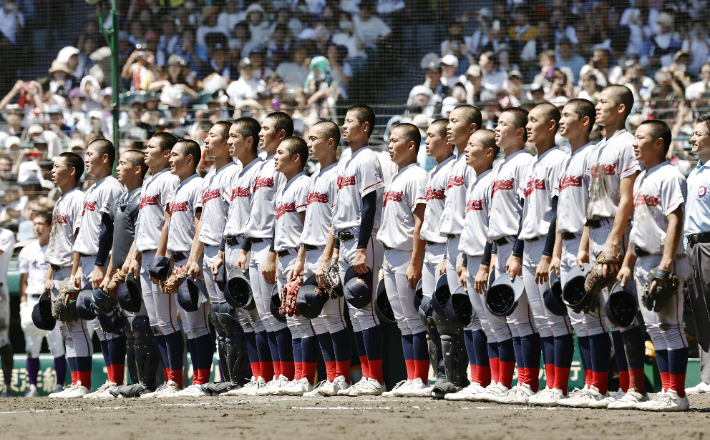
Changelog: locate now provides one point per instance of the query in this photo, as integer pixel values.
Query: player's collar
(483, 174)
(664, 163)
(514, 155)
(355, 153)
(184, 182)
(293, 179)
(540, 157)
(582, 148)
(228, 164)
(401, 170)
(332, 165)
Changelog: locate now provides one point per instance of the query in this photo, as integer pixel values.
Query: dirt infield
(281, 418)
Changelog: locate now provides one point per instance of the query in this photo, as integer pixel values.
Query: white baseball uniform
(31, 262)
(571, 216)
(403, 192)
(185, 203)
(7, 243)
(472, 245)
(503, 224)
(658, 192)
(609, 161)
(260, 229)
(359, 175)
(452, 217)
(155, 196)
(435, 243)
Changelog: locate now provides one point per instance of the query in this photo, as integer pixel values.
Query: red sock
(201, 376)
(601, 381)
(550, 375)
(166, 375)
(665, 380)
(533, 378)
(588, 377)
(364, 366)
(495, 369)
(562, 379)
(266, 369)
(409, 365)
(484, 376)
(522, 374)
(375, 370)
(342, 368)
(308, 370)
(624, 380)
(421, 370)
(298, 372)
(109, 373)
(118, 372)
(636, 380)
(474, 374)
(505, 373)
(677, 383)
(288, 369)
(330, 371)
(255, 370)
(74, 377)
(84, 377)
(277, 369)
(176, 376)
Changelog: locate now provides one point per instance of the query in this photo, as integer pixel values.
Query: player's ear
(472, 128)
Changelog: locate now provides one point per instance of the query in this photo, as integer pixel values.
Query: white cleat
(191, 391)
(576, 392)
(77, 391)
(585, 397)
(492, 393)
(242, 390)
(274, 386)
(346, 391)
(467, 393)
(31, 391)
(296, 388)
(416, 387)
(260, 384)
(369, 388)
(630, 400)
(604, 402)
(700, 388)
(398, 390)
(103, 392)
(340, 384)
(519, 394)
(667, 401)
(322, 389)
(547, 397)
(147, 394)
(171, 389)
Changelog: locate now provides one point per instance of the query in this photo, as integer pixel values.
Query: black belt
(179, 256)
(231, 240)
(55, 267)
(703, 237)
(640, 252)
(451, 236)
(433, 243)
(594, 224)
(387, 248)
(283, 253)
(568, 236)
(345, 236)
(259, 240)
(532, 240)
(501, 241)
(309, 247)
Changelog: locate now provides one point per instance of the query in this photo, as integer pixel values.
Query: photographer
(140, 68)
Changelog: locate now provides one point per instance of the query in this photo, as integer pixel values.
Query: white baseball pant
(453, 259)
(362, 319)
(299, 326)
(331, 318)
(521, 320)
(34, 336)
(86, 266)
(260, 288)
(76, 334)
(161, 307)
(400, 293)
(194, 324)
(434, 254)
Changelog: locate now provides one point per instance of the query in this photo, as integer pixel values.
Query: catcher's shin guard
(454, 362)
(433, 339)
(146, 351)
(130, 351)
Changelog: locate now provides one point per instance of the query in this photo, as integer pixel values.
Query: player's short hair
(73, 160)
(364, 113)
(44, 215)
(520, 119)
(282, 121)
(296, 145)
(249, 127)
(166, 140)
(488, 139)
(410, 133)
(550, 112)
(471, 114)
(330, 129)
(704, 120)
(659, 129)
(441, 126)
(621, 95)
(191, 148)
(224, 125)
(103, 146)
(137, 159)
(584, 107)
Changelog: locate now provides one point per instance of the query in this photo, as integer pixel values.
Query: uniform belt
(433, 243)
(451, 236)
(345, 236)
(593, 224)
(309, 247)
(501, 241)
(259, 240)
(231, 240)
(703, 237)
(568, 236)
(283, 253)
(179, 256)
(387, 248)
(55, 267)
(532, 240)
(640, 252)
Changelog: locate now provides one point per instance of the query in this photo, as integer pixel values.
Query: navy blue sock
(662, 361)
(678, 361)
(283, 339)
(117, 350)
(252, 353)
(564, 350)
(326, 347)
(372, 338)
(493, 352)
(273, 348)
(162, 350)
(263, 347)
(105, 352)
(72, 364)
(548, 350)
(205, 350)
(531, 350)
(194, 357)
(480, 345)
(407, 347)
(420, 350)
(470, 348)
(342, 346)
(619, 353)
(309, 350)
(297, 344)
(175, 349)
(585, 353)
(60, 366)
(359, 344)
(83, 363)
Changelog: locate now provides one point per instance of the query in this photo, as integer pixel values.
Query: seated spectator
(77, 63)
(637, 82)
(196, 56)
(590, 89)
(76, 111)
(36, 97)
(661, 47)
(168, 42)
(27, 168)
(370, 28)
(174, 77)
(548, 68)
(140, 68)
(348, 38)
(522, 30)
(493, 80)
(219, 62)
(258, 63)
(515, 90)
(340, 67)
(479, 39)
(59, 75)
(131, 121)
(566, 57)
(599, 65)
(294, 72)
(137, 33)
(247, 86)
(12, 22)
(260, 29)
(323, 91)
(277, 49)
(449, 65)
(422, 100)
(697, 89)
(209, 25)
(230, 16)
(559, 86)
(697, 44)
(455, 39)
(475, 76)
(299, 17)
(13, 114)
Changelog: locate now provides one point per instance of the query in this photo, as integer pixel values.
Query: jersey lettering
(395, 196)
(502, 185)
(315, 197)
(209, 194)
(148, 201)
(91, 206)
(609, 170)
(570, 181)
(454, 181)
(284, 208)
(642, 199)
(533, 185)
(474, 205)
(178, 207)
(59, 219)
(263, 182)
(434, 194)
(239, 192)
(345, 181)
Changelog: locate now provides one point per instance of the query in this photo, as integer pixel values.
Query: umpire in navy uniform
(697, 234)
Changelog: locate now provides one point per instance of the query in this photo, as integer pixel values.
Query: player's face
(399, 148)
(40, 227)
(570, 124)
(214, 142)
(153, 155)
(645, 147)
(317, 143)
(537, 126)
(124, 169)
(457, 130)
(435, 142)
(607, 109)
(178, 161)
(268, 136)
(92, 160)
(506, 133)
(700, 140)
(61, 172)
(353, 129)
(474, 151)
(236, 142)
(282, 159)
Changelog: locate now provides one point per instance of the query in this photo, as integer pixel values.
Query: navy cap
(622, 306)
(159, 268)
(192, 294)
(238, 292)
(310, 300)
(83, 305)
(42, 313)
(358, 288)
(130, 296)
(275, 304)
(384, 308)
(502, 297)
(459, 309)
(103, 302)
(441, 295)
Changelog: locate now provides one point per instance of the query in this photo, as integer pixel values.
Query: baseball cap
(474, 70)
(308, 34)
(244, 62)
(450, 60)
(35, 129)
(176, 60)
(76, 143)
(514, 74)
(12, 140)
(76, 92)
(434, 66)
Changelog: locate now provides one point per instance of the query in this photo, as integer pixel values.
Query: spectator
(340, 68)
(77, 66)
(137, 33)
(209, 25)
(247, 86)
(660, 49)
(348, 38)
(479, 39)
(322, 90)
(701, 87)
(140, 68)
(174, 78)
(76, 111)
(547, 71)
(370, 28)
(522, 31)
(196, 56)
(641, 85)
(231, 15)
(60, 76)
(258, 63)
(259, 28)
(560, 86)
(449, 65)
(565, 57)
(493, 80)
(219, 63)
(294, 72)
(697, 44)
(168, 41)
(131, 122)
(475, 76)
(278, 47)
(530, 52)
(599, 65)
(11, 23)
(515, 90)
(590, 89)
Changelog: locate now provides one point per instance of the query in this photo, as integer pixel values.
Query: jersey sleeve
(167, 191)
(301, 197)
(673, 193)
(554, 178)
(369, 176)
(23, 260)
(416, 190)
(109, 197)
(628, 164)
(197, 199)
(75, 210)
(523, 171)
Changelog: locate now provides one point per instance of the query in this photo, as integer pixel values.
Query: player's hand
(47, 286)
(336, 253)
(134, 267)
(442, 267)
(542, 273)
(193, 269)
(297, 270)
(623, 275)
(269, 270)
(97, 277)
(218, 261)
(582, 258)
(242, 260)
(75, 281)
(463, 279)
(360, 261)
(481, 284)
(414, 274)
(459, 267)
(611, 268)
(555, 265)
(514, 267)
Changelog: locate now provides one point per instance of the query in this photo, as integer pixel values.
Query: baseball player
(496, 340)
(291, 202)
(540, 191)
(262, 267)
(33, 274)
(243, 143)
(576, 122)
(149, 233)
(66, 217)
(656, 245)
(356, 219)
(215, 206)
(184, 223)
(92, 246)
(7, 243)
(505, 217)
(333, 337)
(441, 150)
(613, 170)
(141, 350)
(402, 215)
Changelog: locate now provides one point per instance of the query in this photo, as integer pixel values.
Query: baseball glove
(175, 280)
(666, 287)
(331, 279)
(64, 305)
(117, 278)
(595, 281)
(289, 293)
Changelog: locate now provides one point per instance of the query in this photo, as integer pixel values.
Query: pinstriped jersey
(240, 194)
(538, 188)
(460, 178)
(267, 181)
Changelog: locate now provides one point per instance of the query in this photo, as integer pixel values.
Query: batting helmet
(573, 293)
(502, 296)
(103, 302)
(383, 306)
(159, 268)
(310, 300)
(358, 288)
(441, 295)
(459, 309)
(83, 305)
(418, 295)
(238, 292)
(130, 296)
(42, 313)
(192, 294)
(553, 296)
(622, 306)
(221, 278)
(276, 304)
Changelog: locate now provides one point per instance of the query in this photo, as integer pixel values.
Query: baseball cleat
(577, 392)
(59, 392)
(540, 394)
(31, 391)
(77, 391)
(171, 388)
(398, 390)
(241, 390)
(103, 392)
(273, 387)
(191, 391)
(369, 388)
(339, 384)
(259, 384)
(630, 400)
(700, 388)
(296, 388)
(518, 394)
(5, 392)
(425, 391)
(667, 401)
(492, 393)
(547, 397)
(58, 388)
(322, 389)
(416, 387)
(149, 395)
(467, 393)
(346, 391)
(605, 401)
(584, 398)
